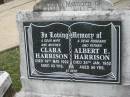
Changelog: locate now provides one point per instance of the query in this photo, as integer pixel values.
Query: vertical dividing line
(70, 47)
(71, 67)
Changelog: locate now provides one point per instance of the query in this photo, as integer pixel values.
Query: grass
(10, 62)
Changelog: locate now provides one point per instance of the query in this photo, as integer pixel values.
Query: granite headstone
(76, 45)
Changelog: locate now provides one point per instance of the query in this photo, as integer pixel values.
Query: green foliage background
(10, 62)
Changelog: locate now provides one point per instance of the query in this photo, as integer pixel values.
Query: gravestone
(74, 51)
(5, 83)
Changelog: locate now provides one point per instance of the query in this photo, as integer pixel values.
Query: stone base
(29, 94)
(71, 89)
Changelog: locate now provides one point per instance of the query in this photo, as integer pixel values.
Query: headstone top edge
(72, 5)
(24, 16)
